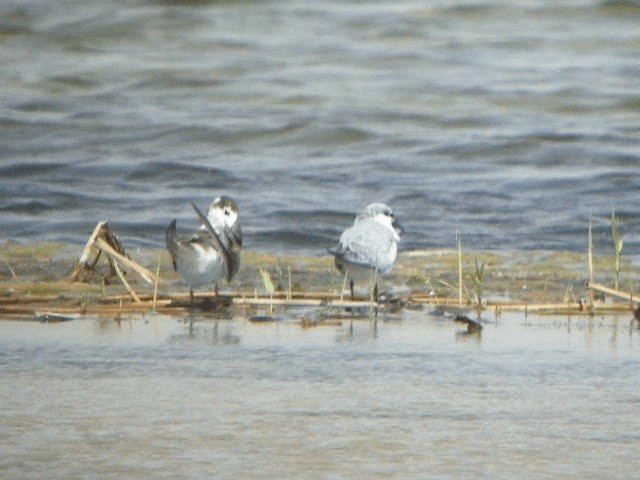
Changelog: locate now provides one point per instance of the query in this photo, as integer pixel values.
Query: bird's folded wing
(219, 244)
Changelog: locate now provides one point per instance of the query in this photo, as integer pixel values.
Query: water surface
(412, 397)
(508, 120)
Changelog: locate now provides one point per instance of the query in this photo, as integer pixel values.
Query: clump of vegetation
(267, 281)
(478, 281)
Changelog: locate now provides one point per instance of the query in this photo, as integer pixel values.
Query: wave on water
(23, 170)
(181, 175)
(305, 112)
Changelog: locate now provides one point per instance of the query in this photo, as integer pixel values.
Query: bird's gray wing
(235, 237)
(175, 242)
(221, 246)
(366, 244)
(171, 240)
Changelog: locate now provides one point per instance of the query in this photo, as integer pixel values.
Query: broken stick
(612, 292)
(145, 274)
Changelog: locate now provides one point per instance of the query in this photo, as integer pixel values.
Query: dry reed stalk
(617, 246)
(88, 249)
(612, 291)
(144, 297)
(590, 251)
(13, 273)
(418, 298)
(577, 306)
(590, 260)
(155, 284)
(105, 241)
(277, 301)
(145, 274)
(119, 305)
(132, 292)
(86, 253)
(459, 250)
(31, 299)
(283, 295)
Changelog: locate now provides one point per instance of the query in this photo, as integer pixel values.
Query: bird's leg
(191, 296)
(374, 285)
(351, 284)
(344, 284)
(374, 294)
(216, 297)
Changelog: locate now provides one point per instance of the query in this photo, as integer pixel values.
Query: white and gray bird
(369, 248)
(212, 253)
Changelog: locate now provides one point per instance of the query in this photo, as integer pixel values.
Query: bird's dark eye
(227, 213)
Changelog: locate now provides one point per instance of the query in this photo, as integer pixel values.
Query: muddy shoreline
(35, 278)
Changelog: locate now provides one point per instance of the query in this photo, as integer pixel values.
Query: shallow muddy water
(409, 397)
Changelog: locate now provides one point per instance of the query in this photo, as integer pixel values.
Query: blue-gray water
(510, 121)
(152, 397)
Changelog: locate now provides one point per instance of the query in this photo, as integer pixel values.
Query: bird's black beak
(397, 227)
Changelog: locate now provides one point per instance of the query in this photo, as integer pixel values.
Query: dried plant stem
(13, 273)
(459, 248)
(86, 253)
(617, 246)
(612, 291)
(124, 282)
(478, 282)
(155, 284)
(590, 259)
(590, 251)
(145, 274)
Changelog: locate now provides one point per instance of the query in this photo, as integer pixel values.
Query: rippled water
(410, 398)
(509, 121)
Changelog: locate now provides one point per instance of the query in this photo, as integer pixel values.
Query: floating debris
(473, 326)
(264, 318)
(50, 317)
